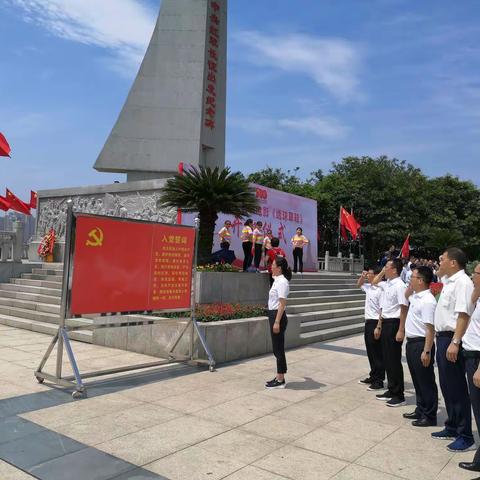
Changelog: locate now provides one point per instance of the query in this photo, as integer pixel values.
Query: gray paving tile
(87, 464)
(29, 451)
(140, 474)
(33, 401)
(13, 428)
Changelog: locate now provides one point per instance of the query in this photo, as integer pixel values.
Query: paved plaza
(184, 423)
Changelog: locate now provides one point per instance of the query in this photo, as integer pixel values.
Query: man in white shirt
(420, 349)
(391, 330)
(471, 352)
(372, 314)
(451, 319)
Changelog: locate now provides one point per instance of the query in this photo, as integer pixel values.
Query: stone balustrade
(11, 243)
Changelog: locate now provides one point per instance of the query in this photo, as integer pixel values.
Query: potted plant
(45, 249)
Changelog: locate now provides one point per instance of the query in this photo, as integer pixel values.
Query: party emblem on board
(95, 238)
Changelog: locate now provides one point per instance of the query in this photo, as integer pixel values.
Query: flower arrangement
(436, 289)
(217, 267)
(45, 249)
(217, 312)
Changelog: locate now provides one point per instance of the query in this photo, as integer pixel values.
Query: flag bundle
(12, 202)
(4, 146)
(348, 223)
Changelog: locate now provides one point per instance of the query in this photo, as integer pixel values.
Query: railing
(11, 244)
(341, 264)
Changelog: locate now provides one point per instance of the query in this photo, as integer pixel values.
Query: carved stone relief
(52, 212)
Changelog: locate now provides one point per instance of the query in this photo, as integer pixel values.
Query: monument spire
(175, 111)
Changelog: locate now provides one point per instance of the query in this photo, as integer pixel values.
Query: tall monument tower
(175, 111)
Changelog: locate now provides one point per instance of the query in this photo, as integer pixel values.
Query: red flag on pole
(17, 204)
(348, 221)
(33, 199)
(4, 147)
(4, 204)
(405, 252)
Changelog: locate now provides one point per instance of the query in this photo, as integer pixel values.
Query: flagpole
(339, 226)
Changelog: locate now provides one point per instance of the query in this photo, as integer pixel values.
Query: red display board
(122, 265)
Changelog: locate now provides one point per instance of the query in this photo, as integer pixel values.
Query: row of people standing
(448, 331)
(256, 243)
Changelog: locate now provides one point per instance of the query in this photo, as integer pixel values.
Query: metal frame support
(62, 340)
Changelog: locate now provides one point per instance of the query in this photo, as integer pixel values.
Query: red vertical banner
(123, 265)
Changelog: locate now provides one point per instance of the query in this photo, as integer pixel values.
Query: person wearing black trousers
(471, 352)
(372, 313)
(451, 320)
(420, 350)
(391, 331)
(299, 240)
(277, 303)
(247, 244)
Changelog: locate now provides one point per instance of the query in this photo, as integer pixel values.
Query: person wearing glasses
(451, 320)
(225, 235)
(471, 352)
(420, 349)
(391, 330)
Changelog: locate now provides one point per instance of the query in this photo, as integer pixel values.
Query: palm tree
(209, 191)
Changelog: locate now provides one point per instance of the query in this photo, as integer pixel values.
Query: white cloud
(333, 63)
(123, 27)
(323, 127)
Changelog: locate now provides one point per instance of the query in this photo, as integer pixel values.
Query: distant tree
(209, 192)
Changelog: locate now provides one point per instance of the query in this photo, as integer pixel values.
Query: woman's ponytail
(283, 264)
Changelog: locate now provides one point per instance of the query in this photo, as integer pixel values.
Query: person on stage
(420, 349)
(471, 352)
(451, 320)
(247, 244)
(391, 330)
(258, 238)
(225, 235)
(277, 303)
(299, 240)
(267, 245)
(372, 314)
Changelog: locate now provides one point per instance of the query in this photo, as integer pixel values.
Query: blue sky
(310, 82)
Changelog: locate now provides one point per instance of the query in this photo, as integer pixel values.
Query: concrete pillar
(327, 260)
(352, 264)
(17, 250)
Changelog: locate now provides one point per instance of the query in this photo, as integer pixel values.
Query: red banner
(123, 265)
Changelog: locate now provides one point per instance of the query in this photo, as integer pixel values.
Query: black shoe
(472, 466)
(424, 422)
(384, 397)
(270, 381)
(365, 381)
(412, 416)
(275, 384)
(375, 386)
(396, 402)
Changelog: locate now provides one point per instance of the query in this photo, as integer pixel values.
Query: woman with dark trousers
(298, 242)
(247, 244)
(277, 303)
(258, 237)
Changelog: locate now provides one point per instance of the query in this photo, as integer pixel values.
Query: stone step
(32, 297)
(47, 271)
(331, 333)
(322, 293)
(30, 305)
(315, 275)
(30, 314)
(328, 323)
(42, 327)
(14, 287)
(315, 307)
(360, 296)
(326, 314)
(52, 266)
(310, 286)
(37, 276)
(36, 283)
(322, 281)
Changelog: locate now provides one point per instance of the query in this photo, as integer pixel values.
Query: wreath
(47, 243)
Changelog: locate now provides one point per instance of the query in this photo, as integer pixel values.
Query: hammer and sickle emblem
(95, 238)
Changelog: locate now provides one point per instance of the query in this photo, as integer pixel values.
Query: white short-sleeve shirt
(471, 339)
(420, 313)
(456, 298)
(372, 300)
(393, 298)
(279, 289)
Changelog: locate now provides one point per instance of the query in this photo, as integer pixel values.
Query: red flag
(4, 147)
(343, 233)
(16, 204)
(4, 204)
(405, 252)
(348, 221)
(33, 199)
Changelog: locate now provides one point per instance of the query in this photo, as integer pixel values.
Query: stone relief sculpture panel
(52, 212)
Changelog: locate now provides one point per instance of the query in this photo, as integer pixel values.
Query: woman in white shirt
(277, 303)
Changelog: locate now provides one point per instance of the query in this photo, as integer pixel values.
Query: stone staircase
(32, 302)
(329, 305)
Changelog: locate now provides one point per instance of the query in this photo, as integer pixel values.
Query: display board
(124, 265)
